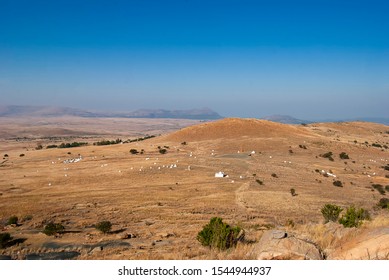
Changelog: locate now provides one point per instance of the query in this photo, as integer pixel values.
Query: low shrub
(217, 234)
(104, 226)
(379, 188)
(274, 175)
(259, 182)
(343, 155)
(384, 203)
(4, 239)
(354, 217)
(337, 184)
(331, 212)
(328, 155)
(293, 192)
(52, 229)
(134, 151)
(162, 151)
(12, 220)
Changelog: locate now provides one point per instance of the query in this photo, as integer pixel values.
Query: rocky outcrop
(281, 245)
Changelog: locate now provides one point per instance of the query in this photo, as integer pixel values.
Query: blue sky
(308, 59)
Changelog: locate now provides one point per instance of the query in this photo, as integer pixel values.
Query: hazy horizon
(321, 60)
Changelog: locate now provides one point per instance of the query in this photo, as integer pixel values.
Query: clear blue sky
(309, 59)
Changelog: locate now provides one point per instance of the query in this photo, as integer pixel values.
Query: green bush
(52, 228)
(343, 155)
(12, 220)
(354, 217)
(219, 235)
(379, 188)
(259, 181)
(384, 203)
(104, 226)
(331, 212)
(327, 155)
(4, 238)
(337, 184)
(163, 151)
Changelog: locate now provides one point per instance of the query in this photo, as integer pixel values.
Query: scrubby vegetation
(328, 155)
(384, 203)
(139, 139)
(259, 181)
(379, 188)
(108, 142)
(72, 145)
(51, 146)
(303, 147)
(354, 217)
(104, 226)
(331, 212)
(4, 239)
(338, 183)
(52, 229)
(293, 192)
(134, 151)
(344, 155)
(12, 220)
(162, 151)
(218, 234)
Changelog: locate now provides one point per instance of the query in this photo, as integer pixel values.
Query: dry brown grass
(167, 207)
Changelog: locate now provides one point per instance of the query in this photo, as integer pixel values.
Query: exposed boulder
(278, 244)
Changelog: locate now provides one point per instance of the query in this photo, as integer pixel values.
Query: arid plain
(158, 202)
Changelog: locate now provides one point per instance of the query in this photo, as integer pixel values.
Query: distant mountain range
(285, 119)
(194, 114)
(48, 111)
(291, 120)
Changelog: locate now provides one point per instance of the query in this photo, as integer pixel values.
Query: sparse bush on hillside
(72, 145)
(328, 155)
(39, 147)
(4, 239)
(379, 188)
(12, 220)
(104, 226)
(184, 143)
(22, 155)
(108, 142)
(354, 217)
(331, 212)
(274, 175)
(134, 151)
(217, 234)
(52, 228)
(259, 181)
(162, 151)
(303, 147)
(51, 146)
(293, 192)
(376, 145)
(384, 203)
(344, 155)
(337, 183)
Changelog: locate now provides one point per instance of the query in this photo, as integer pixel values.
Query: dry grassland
(164, 200)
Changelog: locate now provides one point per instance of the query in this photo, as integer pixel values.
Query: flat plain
(160, 196)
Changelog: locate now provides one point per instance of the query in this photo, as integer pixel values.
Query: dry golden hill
(230, 128)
